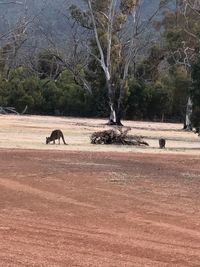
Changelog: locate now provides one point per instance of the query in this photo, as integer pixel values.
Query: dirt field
(84, 205)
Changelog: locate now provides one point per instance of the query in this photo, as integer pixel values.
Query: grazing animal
(162, 142)
(56, 134)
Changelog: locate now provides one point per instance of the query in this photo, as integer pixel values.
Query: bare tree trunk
(188, 123)
(163, 117)
(121, 99)
(111, 96)
(105, 62)
(119, 114)
(116, 109)
(112, 118)
(120, 108)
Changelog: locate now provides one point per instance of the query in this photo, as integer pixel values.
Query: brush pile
(117, 136)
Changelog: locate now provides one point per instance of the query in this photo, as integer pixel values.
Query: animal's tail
(63, 139)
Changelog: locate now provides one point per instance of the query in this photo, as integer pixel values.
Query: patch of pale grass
(29, 132)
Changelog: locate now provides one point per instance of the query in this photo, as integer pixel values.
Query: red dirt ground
(76, 209)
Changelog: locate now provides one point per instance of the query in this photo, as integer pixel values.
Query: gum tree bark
(188, 123)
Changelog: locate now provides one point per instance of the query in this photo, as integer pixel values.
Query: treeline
(161, 100)
(117, 67)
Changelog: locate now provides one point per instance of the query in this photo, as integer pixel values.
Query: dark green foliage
(195, 118)
(137, 101)
(148, 68)
(154, 101)
(42, 96)
(20, 92)
(3, 93)
(72, 99)
(47, 65)
(159, 102)
(148, 101)
(81, 17)
(196, 94)
(128, 5)
(181, 83)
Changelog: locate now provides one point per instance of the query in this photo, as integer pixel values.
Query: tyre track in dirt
(56, 212)
(49, 196)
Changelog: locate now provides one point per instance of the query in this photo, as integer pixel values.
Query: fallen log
(11, 110)
(8, 110)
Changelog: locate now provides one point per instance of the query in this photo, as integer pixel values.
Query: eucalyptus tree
(13, 38)
(181, 26)
(111, 44)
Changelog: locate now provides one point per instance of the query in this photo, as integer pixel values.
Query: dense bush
(196, 94)
(43, 96)
(150, 101)
(159, 100)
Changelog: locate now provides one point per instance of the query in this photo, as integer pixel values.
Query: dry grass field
(96, 205)
(29, 132)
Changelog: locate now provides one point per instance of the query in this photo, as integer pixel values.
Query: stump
(162, 143)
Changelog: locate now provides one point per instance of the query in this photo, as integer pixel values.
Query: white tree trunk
(105, 59)
(188, 123)
(112, 118)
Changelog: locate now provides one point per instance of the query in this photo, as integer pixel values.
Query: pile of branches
(117, 136)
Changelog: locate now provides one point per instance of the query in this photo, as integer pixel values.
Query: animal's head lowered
(47, 140)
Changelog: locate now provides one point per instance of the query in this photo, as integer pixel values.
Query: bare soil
(61, 208)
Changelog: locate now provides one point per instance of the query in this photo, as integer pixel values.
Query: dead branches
(117, 136)
(8, 110)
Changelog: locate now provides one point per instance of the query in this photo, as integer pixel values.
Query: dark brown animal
(55, 135)
(162, 143)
